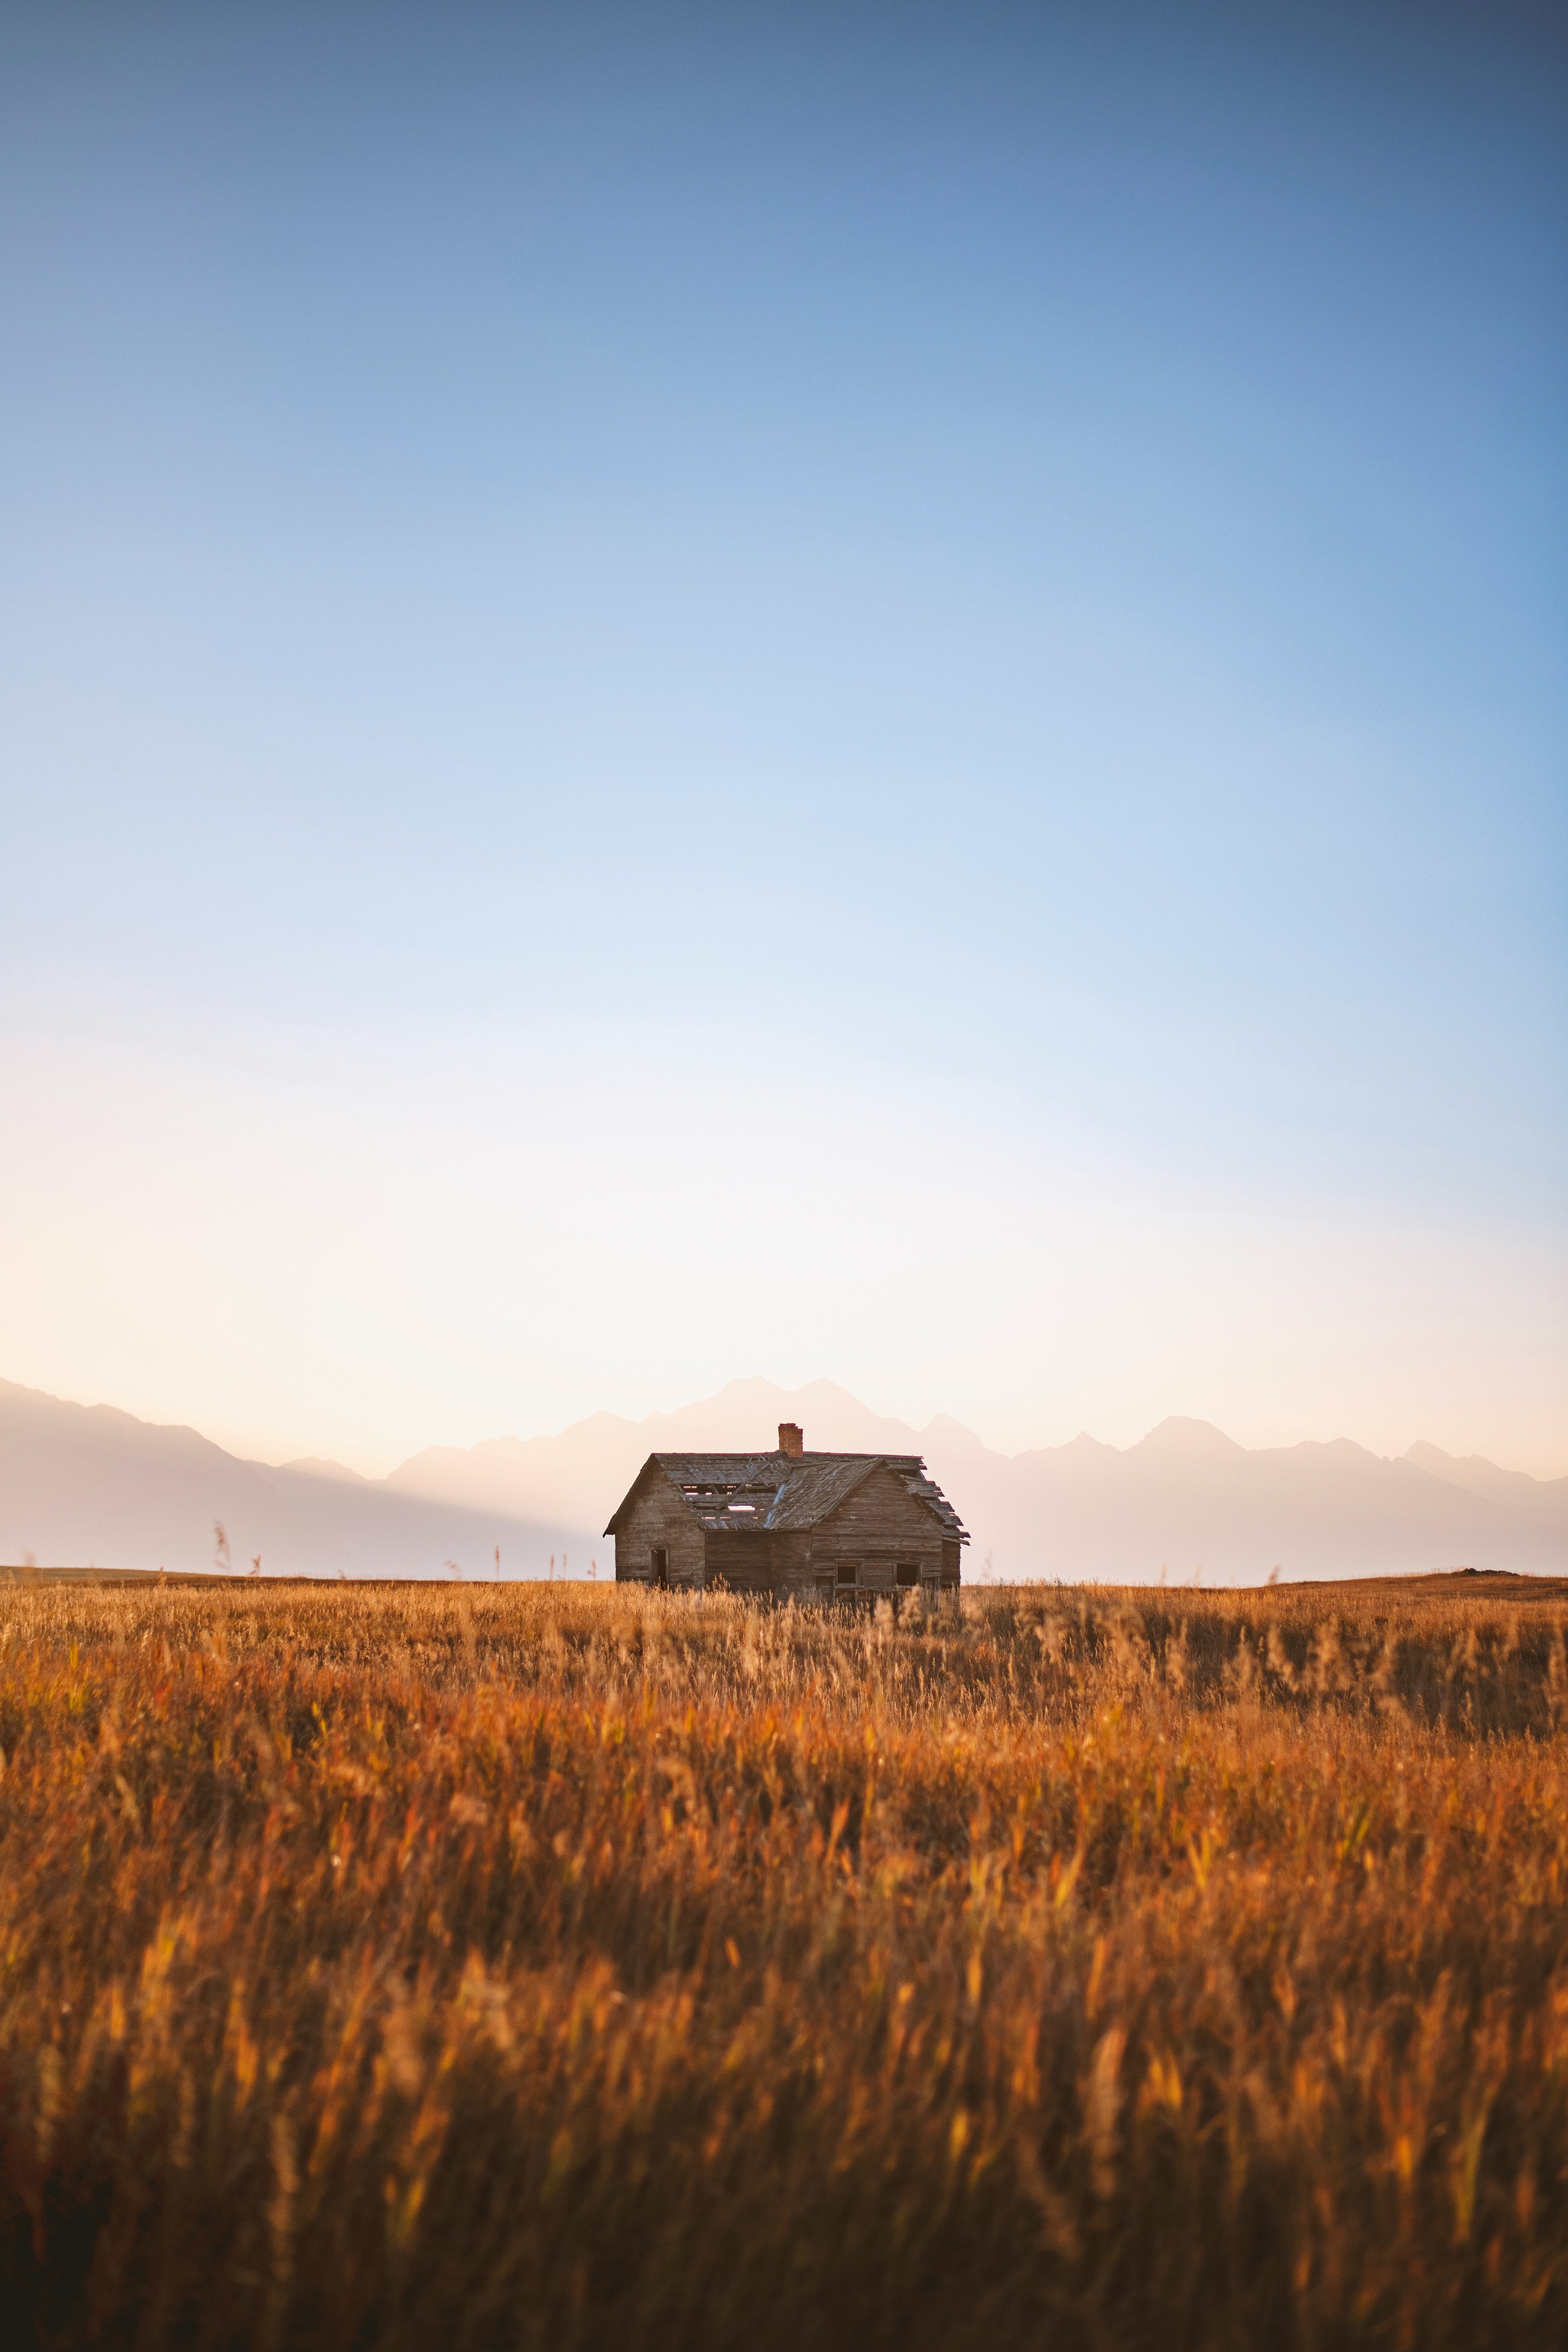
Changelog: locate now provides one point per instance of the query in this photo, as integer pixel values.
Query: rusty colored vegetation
(512, 1967)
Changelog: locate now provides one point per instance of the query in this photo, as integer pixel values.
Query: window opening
(847, 1570)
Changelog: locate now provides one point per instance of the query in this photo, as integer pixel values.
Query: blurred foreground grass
(516, 1966)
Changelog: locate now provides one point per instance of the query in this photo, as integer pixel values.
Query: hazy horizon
(860, 688)
(796, 1399)
(383, 1465)
(79, 1486)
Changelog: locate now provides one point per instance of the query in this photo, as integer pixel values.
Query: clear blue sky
(968, 603)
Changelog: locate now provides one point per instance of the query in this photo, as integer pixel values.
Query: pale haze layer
(880, 697)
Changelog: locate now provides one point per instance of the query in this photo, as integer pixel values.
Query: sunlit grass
(505, 1965)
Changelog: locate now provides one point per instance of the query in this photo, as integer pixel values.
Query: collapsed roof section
(740, 1494)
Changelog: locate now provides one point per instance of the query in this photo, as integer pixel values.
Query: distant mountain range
(87, 1485)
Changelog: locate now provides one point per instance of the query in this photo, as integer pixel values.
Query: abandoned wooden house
(787, 1522)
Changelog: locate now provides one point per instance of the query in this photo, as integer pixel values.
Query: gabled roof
(749, 1493)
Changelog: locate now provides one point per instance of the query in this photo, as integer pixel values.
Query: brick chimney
(791, 1441)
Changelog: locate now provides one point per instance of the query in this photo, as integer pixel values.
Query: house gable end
(652, 1467)
(658, 1537)
(881, 1516)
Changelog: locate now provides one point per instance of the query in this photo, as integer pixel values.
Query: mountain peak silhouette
(80, 1483)
(1179, 1435)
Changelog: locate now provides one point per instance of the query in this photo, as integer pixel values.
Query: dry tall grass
(505, 1967)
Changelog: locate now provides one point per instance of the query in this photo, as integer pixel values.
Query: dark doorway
(661, 1568)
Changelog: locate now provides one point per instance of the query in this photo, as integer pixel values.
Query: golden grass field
(454, 1968)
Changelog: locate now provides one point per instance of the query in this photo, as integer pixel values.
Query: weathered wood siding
(745, 1563)
(858, 1548)
(657, 1516)
(878, 1529)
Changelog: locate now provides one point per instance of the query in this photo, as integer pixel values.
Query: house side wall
(657, 1515)
(748, 1563)
(876, 1529)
